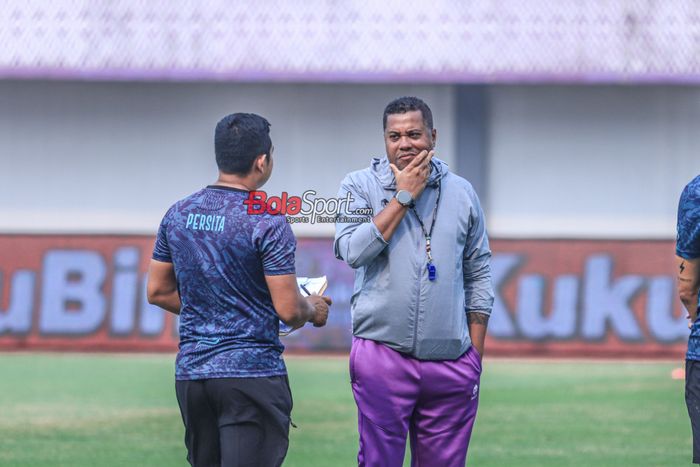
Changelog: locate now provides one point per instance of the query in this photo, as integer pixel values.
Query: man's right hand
(414, 176)
(320, 303)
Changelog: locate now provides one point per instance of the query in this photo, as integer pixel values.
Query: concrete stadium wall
(590, 162)
(111, 157)
(562, 161)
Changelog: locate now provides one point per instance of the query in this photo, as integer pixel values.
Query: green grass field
(104, 410)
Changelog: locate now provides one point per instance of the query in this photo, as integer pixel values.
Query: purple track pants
(433, 401)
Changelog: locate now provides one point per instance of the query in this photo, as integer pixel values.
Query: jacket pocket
(476, 357)
(353, 352)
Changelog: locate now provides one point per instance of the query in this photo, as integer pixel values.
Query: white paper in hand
(307, 286)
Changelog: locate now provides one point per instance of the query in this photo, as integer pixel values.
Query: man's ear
(434, 135)
(261, 162)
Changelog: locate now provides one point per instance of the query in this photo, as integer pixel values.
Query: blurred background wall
(576, 123)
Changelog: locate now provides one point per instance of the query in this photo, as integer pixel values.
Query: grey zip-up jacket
(393, 301)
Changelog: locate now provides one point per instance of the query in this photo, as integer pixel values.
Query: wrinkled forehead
(411, 120)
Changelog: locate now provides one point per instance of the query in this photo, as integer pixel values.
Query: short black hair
(240, 138)
(409, 104)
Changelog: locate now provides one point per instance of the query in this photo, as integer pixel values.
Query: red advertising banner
(586, 298)
(574, 298)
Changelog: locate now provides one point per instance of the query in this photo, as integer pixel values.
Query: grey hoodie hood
(381, 170)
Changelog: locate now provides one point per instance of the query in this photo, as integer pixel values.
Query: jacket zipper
(417, 320)
(417, 314)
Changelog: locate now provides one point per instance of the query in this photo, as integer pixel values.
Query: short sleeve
(274, 239)
(161, 250)
(688, 229)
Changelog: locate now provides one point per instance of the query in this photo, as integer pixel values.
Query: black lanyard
(432, 270)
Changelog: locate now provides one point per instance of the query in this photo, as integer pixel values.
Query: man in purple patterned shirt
(231, 278)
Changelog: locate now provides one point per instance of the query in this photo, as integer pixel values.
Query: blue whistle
(432, 272)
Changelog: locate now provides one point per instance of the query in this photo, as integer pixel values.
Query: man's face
(406, 136)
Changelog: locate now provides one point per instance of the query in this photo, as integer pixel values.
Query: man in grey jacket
(421, 300)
